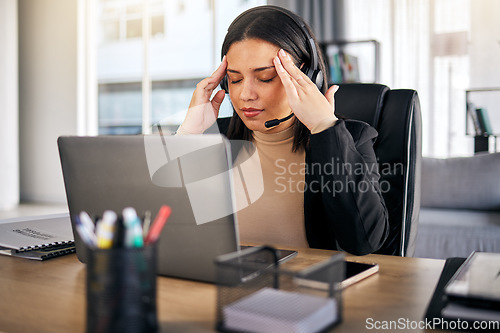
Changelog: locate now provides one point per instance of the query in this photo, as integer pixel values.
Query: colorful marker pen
(106, 229)
(158, 223)
(133, 231)
(87, 221)
(86, 235)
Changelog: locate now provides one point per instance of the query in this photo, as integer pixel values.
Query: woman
(320, 177)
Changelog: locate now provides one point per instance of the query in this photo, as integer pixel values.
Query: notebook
(37, 237)
(191, 174)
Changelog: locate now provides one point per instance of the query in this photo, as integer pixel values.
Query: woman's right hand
(203, 112)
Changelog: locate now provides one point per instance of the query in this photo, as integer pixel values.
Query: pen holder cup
(121, 290)
(254, 294)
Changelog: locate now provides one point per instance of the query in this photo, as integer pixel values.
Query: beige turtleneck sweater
(276, 217)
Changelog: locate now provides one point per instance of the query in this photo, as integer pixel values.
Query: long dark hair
(276, 26)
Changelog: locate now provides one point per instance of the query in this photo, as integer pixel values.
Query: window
(149, 55)
(120, 108)
(122, 19)
(423, 47)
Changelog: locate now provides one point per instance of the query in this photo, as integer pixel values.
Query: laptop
(191, 174)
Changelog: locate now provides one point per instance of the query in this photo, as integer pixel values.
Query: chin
(254, 125)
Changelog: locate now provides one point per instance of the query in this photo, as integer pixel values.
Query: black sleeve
(344, 207)
(221, 126)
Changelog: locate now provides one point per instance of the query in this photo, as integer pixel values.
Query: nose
(248, 91)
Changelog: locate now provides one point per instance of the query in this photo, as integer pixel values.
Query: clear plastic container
(255, 295)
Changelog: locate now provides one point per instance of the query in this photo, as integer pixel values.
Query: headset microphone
(276, 122)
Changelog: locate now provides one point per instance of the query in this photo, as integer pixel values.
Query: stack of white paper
(272, 310)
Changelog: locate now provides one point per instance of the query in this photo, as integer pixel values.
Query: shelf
(352, 61)
(477, 117)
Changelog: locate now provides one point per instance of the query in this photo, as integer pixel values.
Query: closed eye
(268, 80)
(261, 80)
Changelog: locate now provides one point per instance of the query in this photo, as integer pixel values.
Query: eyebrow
(260, 69)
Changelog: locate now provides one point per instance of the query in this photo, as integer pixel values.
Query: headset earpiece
(316, 76)
(318, 79)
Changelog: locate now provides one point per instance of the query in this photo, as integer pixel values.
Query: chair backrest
(395, 114)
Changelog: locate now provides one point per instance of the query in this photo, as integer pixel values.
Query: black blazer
(343, 205)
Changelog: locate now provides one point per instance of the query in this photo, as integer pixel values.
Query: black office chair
(395, 114)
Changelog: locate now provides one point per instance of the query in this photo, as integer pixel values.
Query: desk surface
(49, 296)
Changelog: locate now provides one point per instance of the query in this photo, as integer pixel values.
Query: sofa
(460, 206)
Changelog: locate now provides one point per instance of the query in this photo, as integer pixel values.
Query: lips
(251, 112)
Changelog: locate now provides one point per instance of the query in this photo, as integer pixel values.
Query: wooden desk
(50, 296)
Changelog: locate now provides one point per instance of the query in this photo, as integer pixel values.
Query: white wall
(47, 93)
(9, 143)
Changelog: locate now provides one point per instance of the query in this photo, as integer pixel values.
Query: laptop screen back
(191, 174)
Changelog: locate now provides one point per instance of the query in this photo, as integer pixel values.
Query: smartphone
(357, 271)
(354, 272)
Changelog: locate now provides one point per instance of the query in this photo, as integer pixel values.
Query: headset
(313, 70)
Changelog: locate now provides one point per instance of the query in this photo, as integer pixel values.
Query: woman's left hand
(308, 104)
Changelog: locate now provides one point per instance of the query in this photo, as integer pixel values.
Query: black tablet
(477, 281)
